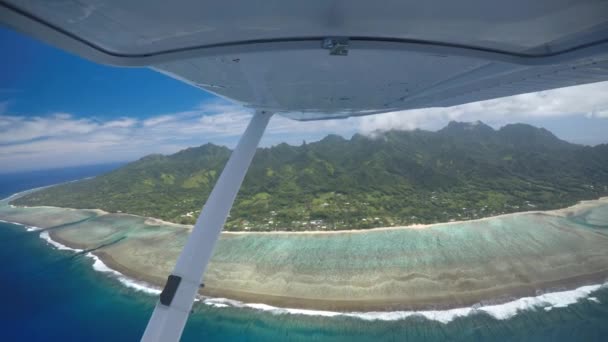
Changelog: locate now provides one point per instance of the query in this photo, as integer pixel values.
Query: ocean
(50, 294)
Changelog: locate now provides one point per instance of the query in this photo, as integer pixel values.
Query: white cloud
(62, 116)
(158, 120)
(17, 129)
(63, 139)
(603, 113)
(590, 100)
(120, 123)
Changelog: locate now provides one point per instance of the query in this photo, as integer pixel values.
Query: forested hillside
(464, 171)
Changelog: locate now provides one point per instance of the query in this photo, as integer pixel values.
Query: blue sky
(38, 79)
(57, 109)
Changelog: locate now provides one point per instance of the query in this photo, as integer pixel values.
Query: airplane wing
(322, 59)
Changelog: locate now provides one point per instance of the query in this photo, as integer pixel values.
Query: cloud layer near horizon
(64, 139)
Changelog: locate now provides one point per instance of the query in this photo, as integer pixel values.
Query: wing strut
(172, 310)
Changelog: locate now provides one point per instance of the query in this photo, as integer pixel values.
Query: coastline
(99, 265)
(562, 212)
(432, 307)
(496, 297)
(498, 309)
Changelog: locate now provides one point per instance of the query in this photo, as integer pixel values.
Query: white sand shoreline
(562, 212)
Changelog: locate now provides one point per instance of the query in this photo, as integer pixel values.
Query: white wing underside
(400, 54)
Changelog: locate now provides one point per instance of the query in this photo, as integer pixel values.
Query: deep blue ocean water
(51, 295)
(13, 182)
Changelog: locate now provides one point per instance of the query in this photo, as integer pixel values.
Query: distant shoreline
(561, 212)
(571, 210)
(157, 221)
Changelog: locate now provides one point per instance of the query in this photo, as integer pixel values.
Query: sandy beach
(439, 266)
(563, 212)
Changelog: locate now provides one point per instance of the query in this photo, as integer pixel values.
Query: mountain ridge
(463, 171)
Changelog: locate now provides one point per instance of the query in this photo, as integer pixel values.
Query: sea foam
(100, 266)
(28, 228)
(24, 192)
(46, 237)
(546, 301)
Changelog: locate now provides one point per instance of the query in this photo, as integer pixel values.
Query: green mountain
(463, 171)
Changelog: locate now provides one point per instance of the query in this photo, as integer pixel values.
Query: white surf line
(546, 301)
(28, 228)
(24, 192)
(100, 266)
(46, 237)
(141, 286)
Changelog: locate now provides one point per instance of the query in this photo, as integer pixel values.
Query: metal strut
(172, 310)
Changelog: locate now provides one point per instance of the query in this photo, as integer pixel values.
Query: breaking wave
(545, 301)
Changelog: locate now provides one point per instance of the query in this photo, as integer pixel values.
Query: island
(464, 171)
(419, 220)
